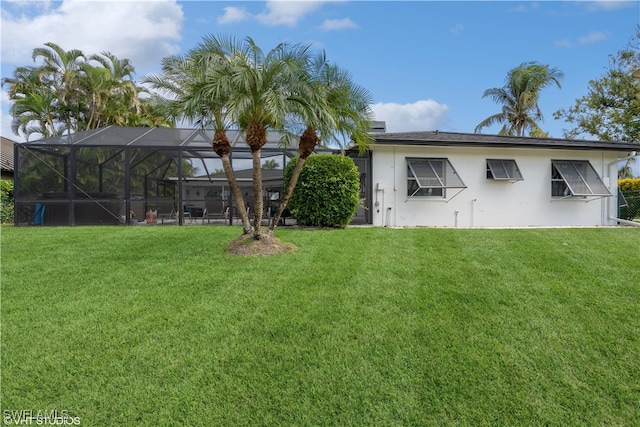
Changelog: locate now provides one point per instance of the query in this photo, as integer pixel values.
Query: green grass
(158, 326)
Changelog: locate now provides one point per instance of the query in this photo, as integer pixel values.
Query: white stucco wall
(486, 202)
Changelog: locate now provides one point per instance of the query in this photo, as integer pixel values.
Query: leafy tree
(262, 90)
(611, 108)
(192, 88)
(71, 92)
(61, 74)
(519, 99)
(224, 82)
(339, 112)
(270, 164)
(626, 171)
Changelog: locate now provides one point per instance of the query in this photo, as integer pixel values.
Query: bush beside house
(327, 192)
(630, 189)
(6, 201)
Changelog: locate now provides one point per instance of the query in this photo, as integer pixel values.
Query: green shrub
(627, 185)
(327, 193)
(630, 188)
(6, 201)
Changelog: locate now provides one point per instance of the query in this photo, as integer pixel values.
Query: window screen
(503, 170)
(431, 177)
(576, 178)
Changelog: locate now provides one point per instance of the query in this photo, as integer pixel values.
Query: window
(503, 170)
(576, 178)
(431, 177)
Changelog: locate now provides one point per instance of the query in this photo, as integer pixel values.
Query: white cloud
(283, 12)
(456, 30)
(142, 31)
(5, 119)
(286, 13)
(525, 7)
(563, 43)
(421, 115)
(591, 38)
(338, 24)
(233, 15)
(595, 6)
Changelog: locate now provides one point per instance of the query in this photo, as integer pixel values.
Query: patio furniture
(215, 209)
(166, 209)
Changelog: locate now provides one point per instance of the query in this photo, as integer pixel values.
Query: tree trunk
(256, 138)
(287, 195)
(237, 194)
(308, 142)
(222, 148)
(257, 193)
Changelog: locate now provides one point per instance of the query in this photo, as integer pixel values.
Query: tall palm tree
(111, 95)
(69, 91)
(262, 91)
(336, 109)
(34, 113)
(187, 81)
(61, 72)
(519, 99)
(33, 109)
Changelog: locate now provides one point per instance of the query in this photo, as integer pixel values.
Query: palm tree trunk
(287, 195)
(257, 193)
(256, 138)
(237, 194)
(308, 141)
(222, 148)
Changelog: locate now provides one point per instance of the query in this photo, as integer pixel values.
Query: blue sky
(426, 63)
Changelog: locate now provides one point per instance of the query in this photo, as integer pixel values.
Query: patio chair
(166, 209)
(214, 208)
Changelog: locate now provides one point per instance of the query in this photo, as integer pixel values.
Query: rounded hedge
(327, 192)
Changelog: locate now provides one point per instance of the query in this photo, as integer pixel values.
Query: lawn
(155, 326)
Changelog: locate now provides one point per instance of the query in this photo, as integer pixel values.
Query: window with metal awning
(432, 178)
(503, 170)
(576, 178)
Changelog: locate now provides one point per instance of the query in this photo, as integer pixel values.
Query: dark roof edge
(452, 139)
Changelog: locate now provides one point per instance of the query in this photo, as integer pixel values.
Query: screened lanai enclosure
(127, 175)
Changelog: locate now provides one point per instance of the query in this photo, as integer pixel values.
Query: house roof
(192, 142)
(6, 154)
(453, 139)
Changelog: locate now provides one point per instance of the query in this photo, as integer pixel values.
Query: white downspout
(631, 155)
(377, 204)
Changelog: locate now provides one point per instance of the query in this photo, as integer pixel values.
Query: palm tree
(34, 109)
(72, 92)
(188, 81)
(111, 96)
(336, 110)
(270, 164)
(262, 90)
(519, 99)
(626, 171)
(61, 72)
(37, 106)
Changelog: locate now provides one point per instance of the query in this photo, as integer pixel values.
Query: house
(448, 179)
(6, 158)
(431, 179)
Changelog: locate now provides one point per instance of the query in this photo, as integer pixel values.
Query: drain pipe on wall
(377, 203)
(632, 155)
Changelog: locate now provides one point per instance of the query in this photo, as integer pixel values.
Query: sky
(426, 63)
